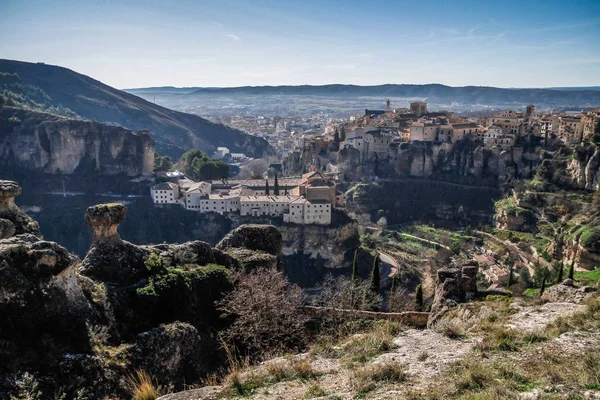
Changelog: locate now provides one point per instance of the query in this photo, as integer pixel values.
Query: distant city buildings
(308, 199)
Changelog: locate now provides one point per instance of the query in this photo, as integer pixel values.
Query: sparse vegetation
(365, 378)
(142, 386)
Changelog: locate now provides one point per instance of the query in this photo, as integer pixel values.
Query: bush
(590, 239)
(266, 312)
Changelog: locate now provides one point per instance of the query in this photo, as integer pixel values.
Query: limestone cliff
(466, 161)
(584, 167)
(49, 143)
(327, 242)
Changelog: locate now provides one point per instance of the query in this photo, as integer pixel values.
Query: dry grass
(587, 320)
(364, 347)
(290, 370)
(365, 379)
(141, 386)
(451, 328)
(314, 390)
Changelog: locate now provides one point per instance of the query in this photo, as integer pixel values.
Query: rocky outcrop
(584, 167)
(49, 143)
(568, 291)
(329, 243)
(254, 246)
(40, 300)
(13, 221)
(175, 353)
(453, 285)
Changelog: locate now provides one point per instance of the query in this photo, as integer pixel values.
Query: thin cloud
(233, 37)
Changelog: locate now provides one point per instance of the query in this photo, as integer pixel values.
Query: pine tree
(561, 268)
(267, 193)
(276, 187)
(572, 269)
(419, 297)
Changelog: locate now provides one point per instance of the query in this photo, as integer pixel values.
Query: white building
(303, 211)
(221, 152)
(195, 193)
(165, 193)
(220, 203)
(273, 206)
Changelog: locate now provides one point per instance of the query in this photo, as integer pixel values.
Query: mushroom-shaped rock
(22, 222)
(8, 191)
(104, 220)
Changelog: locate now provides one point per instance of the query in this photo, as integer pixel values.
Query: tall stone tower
(530, 110)
(387, 105)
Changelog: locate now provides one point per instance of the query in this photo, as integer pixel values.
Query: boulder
(22, 222)
(253, 246)
(43, 308)
(175, 353)
(7, 229)
(265, 238)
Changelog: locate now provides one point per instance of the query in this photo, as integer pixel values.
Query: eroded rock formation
(12, 219)
(453, 285)
(86, 324)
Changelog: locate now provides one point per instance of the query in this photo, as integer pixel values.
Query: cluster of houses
(378, 131)
(308, 199)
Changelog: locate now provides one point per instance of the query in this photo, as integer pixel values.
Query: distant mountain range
(435, 93)
(174, 131)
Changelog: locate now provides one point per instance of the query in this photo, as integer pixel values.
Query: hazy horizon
(231, 43)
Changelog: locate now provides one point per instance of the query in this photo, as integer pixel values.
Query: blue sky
(135, 43)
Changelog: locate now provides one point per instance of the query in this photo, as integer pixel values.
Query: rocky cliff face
(465, 161)
(48, 143)
(328, 243)
(584, 168)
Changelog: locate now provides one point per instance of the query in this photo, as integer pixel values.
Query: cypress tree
(266, 187)
(392, 290)
(572, 269)
(355, 276)
(343, 134)
(561, 268)
(374, 286)
(510, 276)
(419, 297)
(276, 187)
(543, 288)
(373, 290)
(336, 137)
(355, 279)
